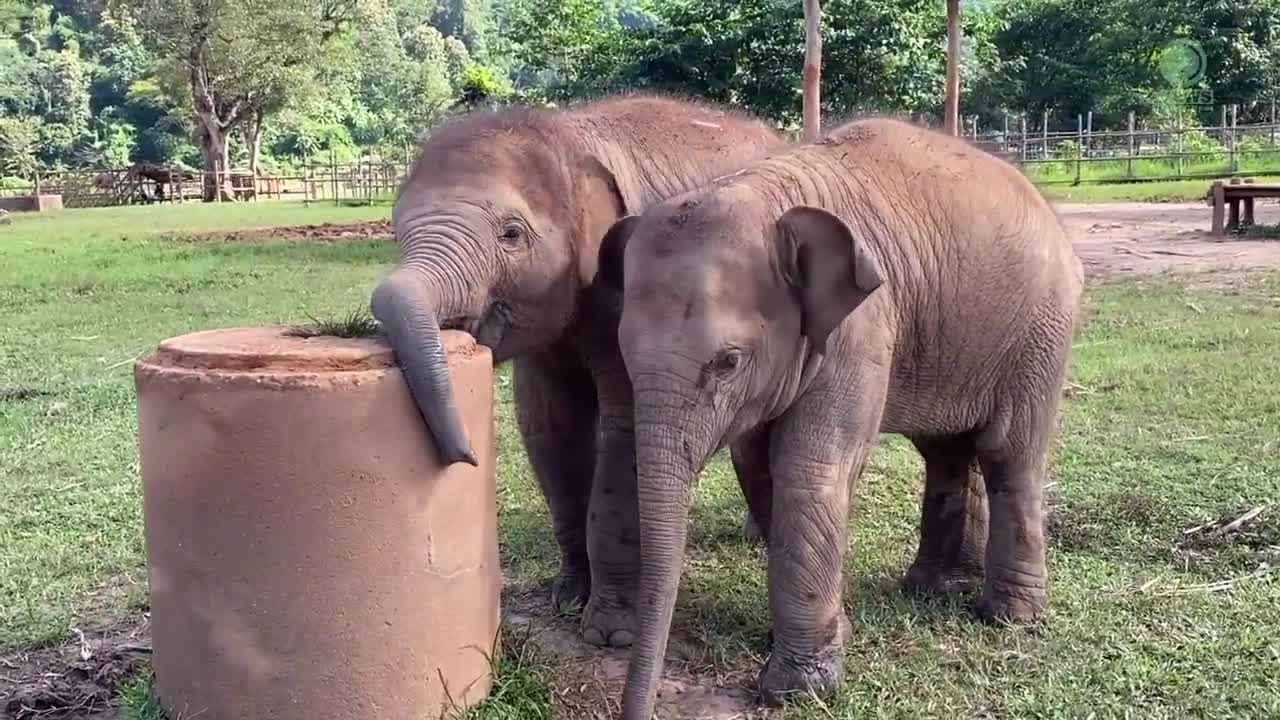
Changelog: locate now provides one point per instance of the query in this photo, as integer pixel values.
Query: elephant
(499, 224)
(883, 279)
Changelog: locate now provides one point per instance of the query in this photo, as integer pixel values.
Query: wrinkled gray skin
(499, 227)
(886, 279)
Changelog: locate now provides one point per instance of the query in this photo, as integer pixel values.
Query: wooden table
(1228, 197)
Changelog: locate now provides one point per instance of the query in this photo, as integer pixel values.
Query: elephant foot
(571, 590)
(751, 530)
(1009, 605)
(792, 675)
(925, 579)
(609, 621)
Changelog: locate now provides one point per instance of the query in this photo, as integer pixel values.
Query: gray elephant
(884, 279)
(499, 226)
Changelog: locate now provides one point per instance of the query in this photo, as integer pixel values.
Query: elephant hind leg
(953, 518)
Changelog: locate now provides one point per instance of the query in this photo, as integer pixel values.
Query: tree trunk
(217, 120)
(253, 138)
(951, 119)
(812, 70)
(217, 160)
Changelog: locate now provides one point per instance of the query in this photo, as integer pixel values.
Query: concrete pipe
(308, 557)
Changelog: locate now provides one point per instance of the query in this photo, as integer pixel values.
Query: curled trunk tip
(408, 315)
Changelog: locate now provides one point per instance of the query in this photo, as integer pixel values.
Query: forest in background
(214, 84)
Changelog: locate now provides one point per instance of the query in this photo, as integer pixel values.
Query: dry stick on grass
(1218, 586)
(1217, 527)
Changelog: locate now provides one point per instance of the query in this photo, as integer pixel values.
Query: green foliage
(352, 77)
(480, 86)
(1076, 56)
(19, 144)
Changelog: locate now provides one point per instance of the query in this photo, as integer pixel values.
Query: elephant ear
(830, 268)
(599, 204)
(613, 250)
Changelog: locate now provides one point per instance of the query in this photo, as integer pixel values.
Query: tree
(877, 55)
(19, 141)
(239, 57)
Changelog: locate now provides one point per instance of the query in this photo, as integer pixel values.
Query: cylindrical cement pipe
(308, 558)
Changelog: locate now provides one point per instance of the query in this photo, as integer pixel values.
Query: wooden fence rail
(365, 181)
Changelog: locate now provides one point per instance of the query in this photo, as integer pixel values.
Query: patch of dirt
(588, 681)
(76, 680)
(1092, 525)
(325, 232)
(18, 393)
(1119, 239)
(1240, 540)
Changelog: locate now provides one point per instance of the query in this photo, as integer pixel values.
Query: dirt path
(1116, 239)
(1111, 238)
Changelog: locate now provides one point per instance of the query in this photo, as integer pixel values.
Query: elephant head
(729, 301)
(498, 225)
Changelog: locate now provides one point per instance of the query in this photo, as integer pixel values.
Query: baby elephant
(884, 279)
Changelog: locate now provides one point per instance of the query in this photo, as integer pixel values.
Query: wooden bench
(1229, 197)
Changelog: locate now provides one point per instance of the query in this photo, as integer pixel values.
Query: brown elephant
(499, 225)
(884, 279)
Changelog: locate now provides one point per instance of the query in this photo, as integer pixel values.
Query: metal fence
(1138, 152)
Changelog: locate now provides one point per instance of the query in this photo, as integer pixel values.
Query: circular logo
(1182, 62)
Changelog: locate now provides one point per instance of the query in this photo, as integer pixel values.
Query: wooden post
(1273, 124)
(1044, 132)
(1023, 154)
(1247, 220)
(1181, 144)
(1088, 142)
(1235, 160)
(1222, 128)
(333, 173)
(1131, 127)
(1079, 145)
(1005, 136)
(812, 70)
(1219, 207)
(951, 120)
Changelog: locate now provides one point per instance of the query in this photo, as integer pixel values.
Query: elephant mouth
(488, 328)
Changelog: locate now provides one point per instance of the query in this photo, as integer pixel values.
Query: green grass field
(1162, 191)
(1172, 421)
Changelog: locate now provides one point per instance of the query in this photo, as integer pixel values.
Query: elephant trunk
(408, 310)
(666, 462)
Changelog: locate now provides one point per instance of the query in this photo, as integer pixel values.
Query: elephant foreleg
(555, 402)
(613, 523)
(953, 518)
(750, 454)
(815, 460)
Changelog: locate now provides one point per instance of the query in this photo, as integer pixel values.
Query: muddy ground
(79, 679)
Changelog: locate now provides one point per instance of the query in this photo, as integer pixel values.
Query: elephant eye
(728, 361)
(512, 233)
